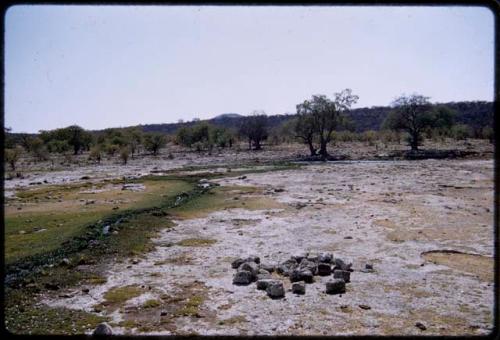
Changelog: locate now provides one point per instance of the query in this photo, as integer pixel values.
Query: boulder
(301, 275)
(267, 267)
(251, 267)
(263, 276)
(103, 329)
(300, 257)
(275, 290)
(324, 269)
(298, 288)
(243, 277)
(340, 264)
(286, 267)
(309, 265)
(336, 286)
(236, 263)
(342, 274)
(262, 284)
(325, 258)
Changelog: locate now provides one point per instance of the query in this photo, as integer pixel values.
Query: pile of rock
(300, 269)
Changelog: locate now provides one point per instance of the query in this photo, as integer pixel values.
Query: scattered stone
(342, 274)
(336, 286)
(348, 238)
(267, 267)
(103, 329)
(324, 269)
(243, 277)
(421, 326)
(251, 267)
(286, 267)
(299, 258)
(263, 276)
(116, 208)
(22, 232)
(368, 268)
(85, 177)
(309, 265)
(340, 264)
(365, 307)
(279, 190)
(105, 230)
(301, 275)
(262, 284)
(325, 258)
(89, 202)
(298, 288)
(242, 177)
(85, 290)
(275, 290)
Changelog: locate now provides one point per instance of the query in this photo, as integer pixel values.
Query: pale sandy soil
(395, 212)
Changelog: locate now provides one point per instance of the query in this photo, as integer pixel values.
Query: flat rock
(262, 284)
(342, 274)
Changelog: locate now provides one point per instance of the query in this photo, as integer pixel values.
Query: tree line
(318, 122)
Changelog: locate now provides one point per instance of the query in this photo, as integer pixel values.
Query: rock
(300, 257)
(103, 329)
(298, 288)
(275, 290)
(348, 238)
(251, 267)
(286, 267)
(267, 267)
(365, 307)
(255, 259)
(309, 265)
(263, 271)
(325, 258)
(342, 274)
(263, 276)
(85, 290)
(243, 277)
(340, 264)
(65, 262)
(421, 326)
(324, 269)
(368, 268)
(336, 286)
(262, 284)
(85, 177)
(105, 230)
(236, 263)
(301, 275)
(313, 258)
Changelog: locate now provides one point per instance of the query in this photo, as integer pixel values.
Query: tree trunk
(322, 150)
(414, 141)
(256, 143)
(311, 148)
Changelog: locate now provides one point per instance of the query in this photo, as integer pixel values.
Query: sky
(112, 66)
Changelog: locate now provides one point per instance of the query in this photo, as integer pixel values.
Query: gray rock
(263, 271)
(340, 264)
(301, 275)
(324, 269)
(336, 286)
(368, 268)
(275, 290)
(325, 258)
(253, 258)
(243, 277)
(267, 267)
(262, 284)
(342, 274)
(251, 267)
(300, 257)
(65, 262)
(263, 276)
(236, 263)
(103, 329)
(313, 257)
(299, 288)
(309, 265)
(286, 267)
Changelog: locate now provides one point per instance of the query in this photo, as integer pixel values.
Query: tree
(124, 153)
(304, 126)
(411, 114)
(153, 142)
(320, 116)
(12, 156)
(78, 138)
(134, 138)
(255, 128)
(96, 154)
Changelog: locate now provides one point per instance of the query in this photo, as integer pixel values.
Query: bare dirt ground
(426, 226)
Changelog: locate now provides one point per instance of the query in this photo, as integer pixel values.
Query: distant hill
(477, 114)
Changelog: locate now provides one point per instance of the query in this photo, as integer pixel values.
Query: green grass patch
(152, 303)
(191, 307)
(119, 295)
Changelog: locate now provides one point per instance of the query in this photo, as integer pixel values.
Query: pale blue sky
(109, 66)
